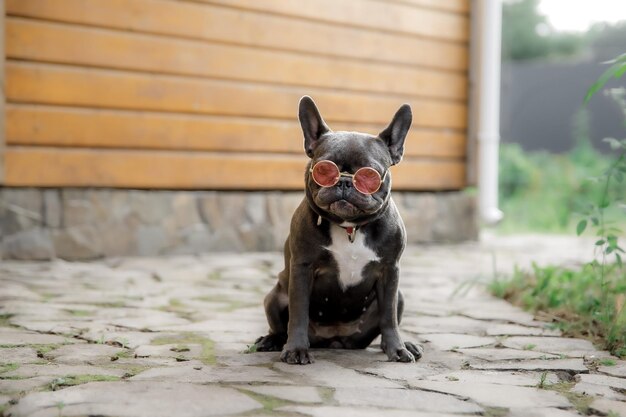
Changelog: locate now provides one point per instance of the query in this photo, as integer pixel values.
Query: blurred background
(552, 143)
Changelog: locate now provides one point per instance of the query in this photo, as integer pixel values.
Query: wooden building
(203, 94)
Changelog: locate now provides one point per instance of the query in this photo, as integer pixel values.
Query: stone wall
(91, 223)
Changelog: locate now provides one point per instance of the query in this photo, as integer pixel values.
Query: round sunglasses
(366, 180)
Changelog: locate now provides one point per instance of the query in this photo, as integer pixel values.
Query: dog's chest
(351, 258)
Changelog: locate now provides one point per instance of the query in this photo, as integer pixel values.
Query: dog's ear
(313, 126)
(395, 133)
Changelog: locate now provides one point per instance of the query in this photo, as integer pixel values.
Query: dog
(339, 287)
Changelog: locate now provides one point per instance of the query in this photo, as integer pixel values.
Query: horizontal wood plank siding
(190, 170)
(457, 6)
(202, 94)
(212, 23)
(68, 86)
(398, 17)
(47, 42)
(75, 127)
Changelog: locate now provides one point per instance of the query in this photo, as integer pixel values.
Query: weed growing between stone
(71, 380)
(573, 300)
(588, 301)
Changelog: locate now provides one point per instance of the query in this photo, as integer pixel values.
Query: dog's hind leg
(277, 315)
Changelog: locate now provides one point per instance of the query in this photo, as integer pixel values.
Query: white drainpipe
(485, 103)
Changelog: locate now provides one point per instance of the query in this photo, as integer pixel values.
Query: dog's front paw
(415, 349)
(400, 355)
(296, 355)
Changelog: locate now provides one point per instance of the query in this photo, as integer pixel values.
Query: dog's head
(347, 178)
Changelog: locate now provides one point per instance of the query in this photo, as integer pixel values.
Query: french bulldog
(339, 288)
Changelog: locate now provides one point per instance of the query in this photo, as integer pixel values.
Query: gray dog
(339, 288)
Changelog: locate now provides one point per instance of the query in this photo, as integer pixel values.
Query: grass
(43, 349)
(207, 355)
(5, 320)
(71, 380)
(123, 354)
(581, 402)
(573, 300)
(8, 367)
(543, 192)
(268, 402)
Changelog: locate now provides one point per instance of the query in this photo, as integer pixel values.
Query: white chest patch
(352, 257)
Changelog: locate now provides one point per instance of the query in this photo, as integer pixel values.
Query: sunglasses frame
(347, 174)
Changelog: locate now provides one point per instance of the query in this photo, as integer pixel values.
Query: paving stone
(169, 350)
(501, 311)
(601, 385)
(451, 341)
(295, 394)
(569, 365)
(605, 406)
(15, 291)
(219, 297)
(449, 324)
(598, 391)
(61, 327)
(197, 372)
(613, 382)
(136, 399)
(130, 339)
(29, 371)
(237, 359)
(10, 386)
(13, 337)
(555, 345)
(528, 379)
(404, 399)
(402, 373)
(503, 354)
(221, 326)
(517, 330)
(150, 319)
(542, 412)
(83, 354)
(331, 375)
(618, 370)
(497, 395)
(328, 411)
(18, 355)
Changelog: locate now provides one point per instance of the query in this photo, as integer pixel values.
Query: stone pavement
(165, 337)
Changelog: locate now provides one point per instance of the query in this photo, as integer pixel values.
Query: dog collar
(350, 230)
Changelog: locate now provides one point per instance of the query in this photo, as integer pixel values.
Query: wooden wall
(202, 94)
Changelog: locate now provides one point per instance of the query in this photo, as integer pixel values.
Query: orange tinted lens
(325, 173)
(367, 180)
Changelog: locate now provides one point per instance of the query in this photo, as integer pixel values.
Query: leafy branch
(616, 70)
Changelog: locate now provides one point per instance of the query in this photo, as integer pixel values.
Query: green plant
(607, 232)
(543, 192)
(608, 362)
(616, 70)
(60, 406)
(542, 381)
(572, 300)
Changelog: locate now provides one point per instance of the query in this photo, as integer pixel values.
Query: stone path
(166, 336)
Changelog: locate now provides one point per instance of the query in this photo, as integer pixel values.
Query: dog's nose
(344, 183)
